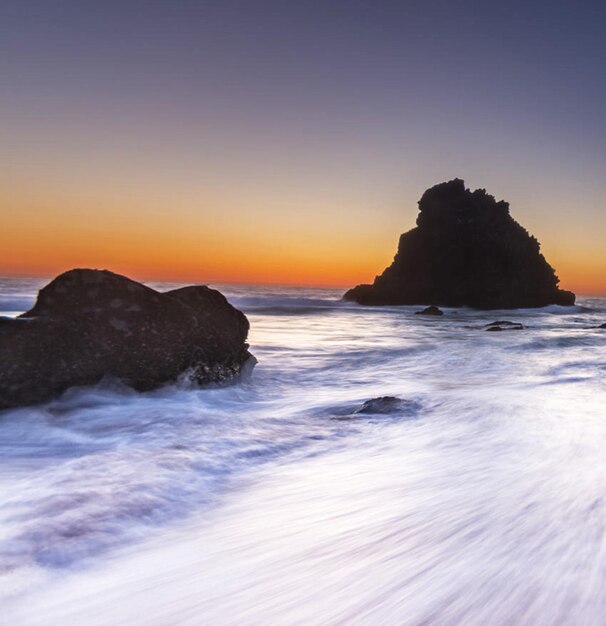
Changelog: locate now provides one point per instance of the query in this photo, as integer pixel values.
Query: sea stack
(90, 324)
(466, 250)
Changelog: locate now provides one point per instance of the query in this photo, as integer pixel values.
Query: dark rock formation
(376, 407)
(602, 326)
(504, 325)
(430, 310)
(466, 250)
(89, 324)
(385, 405)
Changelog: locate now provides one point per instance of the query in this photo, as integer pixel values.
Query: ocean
(272, 501)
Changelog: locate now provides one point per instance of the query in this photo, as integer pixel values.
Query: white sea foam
(251, 505)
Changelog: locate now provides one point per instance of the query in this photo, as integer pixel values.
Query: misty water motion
(478, 499)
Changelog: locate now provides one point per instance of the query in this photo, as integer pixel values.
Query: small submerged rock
(375, 407)
(386, 404)
(430, 310)
(504, 325)
(88, 324)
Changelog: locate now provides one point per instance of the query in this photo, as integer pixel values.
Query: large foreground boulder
(466, 250)
(91, 324)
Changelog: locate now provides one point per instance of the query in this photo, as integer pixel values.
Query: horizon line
(241, 283)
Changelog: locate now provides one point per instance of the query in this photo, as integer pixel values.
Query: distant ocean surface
(272, 502)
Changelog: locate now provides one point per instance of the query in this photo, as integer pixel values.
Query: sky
(290, 141)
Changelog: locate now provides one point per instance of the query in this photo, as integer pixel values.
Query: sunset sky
(289, 142)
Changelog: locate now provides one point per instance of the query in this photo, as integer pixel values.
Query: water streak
(480, 502)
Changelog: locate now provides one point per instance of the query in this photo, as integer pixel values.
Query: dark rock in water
(385, 404)
(602, 326)
(504, 325)
(466, 250)
(91, 324)
(430, 310)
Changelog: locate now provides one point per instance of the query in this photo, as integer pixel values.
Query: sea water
(272, 501)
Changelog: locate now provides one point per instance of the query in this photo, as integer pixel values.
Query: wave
(281, 476)
(290, 309)
(16, 303)
(123, 463)
(587, 340)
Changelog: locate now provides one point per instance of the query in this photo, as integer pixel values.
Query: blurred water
(252, 504)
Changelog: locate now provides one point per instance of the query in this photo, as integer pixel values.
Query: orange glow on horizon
(322, 267)
(339, 245)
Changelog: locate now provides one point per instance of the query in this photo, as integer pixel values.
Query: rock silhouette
(466, 250)
(383, 404)
(503, 325)
(386, 405)
(90, 324)
(430, 310)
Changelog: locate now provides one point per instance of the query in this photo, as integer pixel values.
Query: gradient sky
(288, 141)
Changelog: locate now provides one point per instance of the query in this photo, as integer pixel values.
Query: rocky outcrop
(386, 405)
(503, 325)
(90, 324)
(466, 250)
(430, 310)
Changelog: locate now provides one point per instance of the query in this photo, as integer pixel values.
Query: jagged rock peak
(451, 203)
